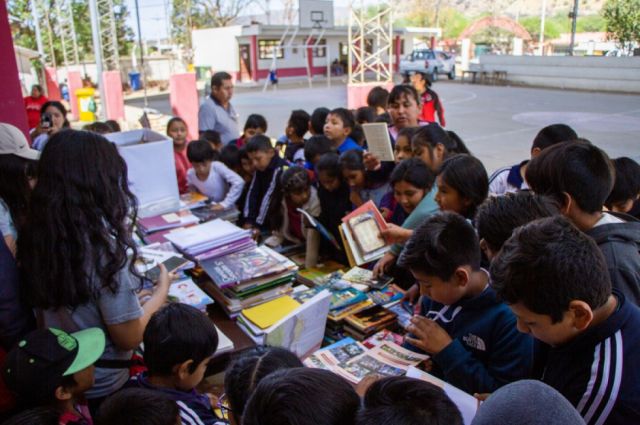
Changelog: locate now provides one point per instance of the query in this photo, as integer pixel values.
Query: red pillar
(310, 55)
(113, 103)
(398, 49)
(433, 42)
(183, 95)
(253, 50)
(74, 81)
(12, 109)
(53, 89)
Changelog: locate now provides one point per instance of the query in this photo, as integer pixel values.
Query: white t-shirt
(223, 186)
(6, 222)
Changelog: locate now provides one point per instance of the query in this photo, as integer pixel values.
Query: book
(267, 314)
(404, 312)
(149, 260)
(314, 275)
(383, 336)
(166, 221)
(338, 315)
(187, 292)
(346, 297)
(233, 305)
(193, 200)
(371, 320)
(321, 229)
(224, 343)
(378, 140)
(386, 296)
(466, 403)
(205, 213)
(361, 231)
(365, 277)
(197, 239)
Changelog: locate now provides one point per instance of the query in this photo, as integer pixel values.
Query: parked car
(430, 62)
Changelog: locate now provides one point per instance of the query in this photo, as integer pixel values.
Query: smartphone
(47, 121)
(171, 264)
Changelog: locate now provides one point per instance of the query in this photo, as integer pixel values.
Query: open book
(321, 229)
(361, 232)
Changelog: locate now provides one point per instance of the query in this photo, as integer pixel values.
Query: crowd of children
(524, 285)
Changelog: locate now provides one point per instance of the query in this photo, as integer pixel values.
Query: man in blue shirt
(216, 112)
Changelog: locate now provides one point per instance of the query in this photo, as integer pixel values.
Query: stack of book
(365, 323)
(168, 221)
(249, 277)
(211, 240)
(193, 200)
(315, 275)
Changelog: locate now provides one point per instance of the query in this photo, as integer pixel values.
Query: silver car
(430, 62)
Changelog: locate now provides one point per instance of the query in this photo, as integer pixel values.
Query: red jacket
(430, 106)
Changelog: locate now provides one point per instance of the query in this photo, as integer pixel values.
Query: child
(432, 144)
(179, 341)
(462, 185)
(35, 416)
(302, 396)
(140, 407)
(498, 216)
(50, 367)
(289, 223)
(212, 178)
(554, 278)
(399, 400)
(402, 149)
(511, 179)
(213, 138)
(378, 99)
(245, 373)
(365, 114)
(177, 130)
(314, 148)
(626, 188)
(264, 184)
(297, 127)
(354, 173)
(470, 335)
(317, 121)
(255, 125)
(338, 128)
(334, 196)
(579, 176)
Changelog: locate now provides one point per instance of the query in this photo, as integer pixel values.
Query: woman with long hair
(77, 253)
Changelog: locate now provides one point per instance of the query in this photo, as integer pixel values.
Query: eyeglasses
(223, 405)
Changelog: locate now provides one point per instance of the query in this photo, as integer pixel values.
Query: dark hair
(365, 114)
(378, 97)
(315, 146)
(627, 181)
(578, 168)
(177, 333)
(200, 151)
(399, 400)
(211, 136)
(60, 107)
(138, 406)
(299, 121)
(259, 142)
(218, 78)
(440, 245)
(98, 127)
(113, 125)
(401, 90)
(294, 179)
(329, 163)
(408, 132)
(467, 175)
(172, 120)
(92, 225)
(37, 87)
(302, 396)
(230, 156)
(247, 370)
(42, 415)
(498, 216)
(548, 263)
(318, 118)
(15, 190)
(432, 135)
(415, 172)
(255, 121)
(553, 134)
(352, 160)
(357, 134)
(345, 116)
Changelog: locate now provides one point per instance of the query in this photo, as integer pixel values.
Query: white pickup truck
(430, 62)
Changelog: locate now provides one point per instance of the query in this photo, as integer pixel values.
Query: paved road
(497, 123)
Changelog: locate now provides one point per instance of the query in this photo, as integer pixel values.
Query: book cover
(371, 319)
(385, 296)
(241, 266)
(166, 221)
(346, 297)
(267, 314)
(187, 292)
(365, 277)
(192, 200)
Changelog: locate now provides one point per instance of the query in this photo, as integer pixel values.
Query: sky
(155, 16)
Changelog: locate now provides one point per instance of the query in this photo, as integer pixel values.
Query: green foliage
(591, 23)
(451, 20)
(623, 20)
(552, 28)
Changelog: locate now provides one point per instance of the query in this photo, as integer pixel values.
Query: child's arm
(236, 184)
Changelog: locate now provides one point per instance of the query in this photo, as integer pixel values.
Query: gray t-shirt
(212, 116)
(6, 222)
(106, 309)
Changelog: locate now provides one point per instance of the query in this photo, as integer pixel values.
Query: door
(245, 62)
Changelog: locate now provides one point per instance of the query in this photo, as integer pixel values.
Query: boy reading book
(555, 281)
(179, 341)
(52, 368)
(470, 335)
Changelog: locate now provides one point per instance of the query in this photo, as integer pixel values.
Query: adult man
(217, 113)
(431, 104)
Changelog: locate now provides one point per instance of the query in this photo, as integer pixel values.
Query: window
(321, 50)
(266, 48)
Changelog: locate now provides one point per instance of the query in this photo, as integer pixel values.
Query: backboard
(316, 14)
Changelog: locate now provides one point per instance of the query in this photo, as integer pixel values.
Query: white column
(465, 51)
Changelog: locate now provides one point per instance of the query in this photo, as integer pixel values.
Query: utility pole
(543, 13)
(144, 74)
(574, 20)
(97, 49)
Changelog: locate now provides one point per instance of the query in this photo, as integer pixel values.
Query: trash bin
(86, 104)
(134, 80)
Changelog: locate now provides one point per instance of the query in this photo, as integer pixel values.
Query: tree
(532, 24)
(623, 21)
(220, 13)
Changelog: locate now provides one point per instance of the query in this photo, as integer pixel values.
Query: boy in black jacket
(579, 176)
(555, 280)
(265, 185)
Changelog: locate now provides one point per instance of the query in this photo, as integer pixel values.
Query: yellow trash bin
(86, 104)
